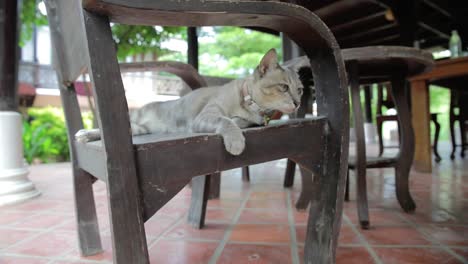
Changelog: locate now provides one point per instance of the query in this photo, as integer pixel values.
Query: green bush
(45, 135)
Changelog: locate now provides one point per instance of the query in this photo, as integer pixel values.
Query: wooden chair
(376, 65)
(380, 118)
(142, 173)
(458, 100)
(458, 103)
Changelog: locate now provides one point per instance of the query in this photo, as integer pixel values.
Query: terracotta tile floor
(253, 223)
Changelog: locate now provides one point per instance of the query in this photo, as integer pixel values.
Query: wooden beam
(367, 21)
(388, 41)
(437, 8)
(372, 31)
(406, 14)
(432, 42)
(434, 30)
(345, 11)
(312, 5)
(375, 37)
(8, 55)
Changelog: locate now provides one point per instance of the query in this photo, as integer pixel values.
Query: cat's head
(275, 87)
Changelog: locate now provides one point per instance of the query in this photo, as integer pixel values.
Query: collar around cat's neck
(252, 106)
(248, 101)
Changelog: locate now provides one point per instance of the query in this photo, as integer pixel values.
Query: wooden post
(421, 116)
(367, 103)
(192, 49)
(15, 186)
(290, 49)
(8, 55)
(406, 13)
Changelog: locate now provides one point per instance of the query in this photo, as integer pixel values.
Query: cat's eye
(300, 91)
(284, 88)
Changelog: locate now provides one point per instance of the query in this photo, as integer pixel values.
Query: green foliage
(235, 51)
(440, 103)
(45, 135)
(29, 17)
(132, 40)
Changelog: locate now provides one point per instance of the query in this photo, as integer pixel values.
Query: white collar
(248, 101)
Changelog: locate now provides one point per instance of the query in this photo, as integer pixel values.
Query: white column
(15, 186)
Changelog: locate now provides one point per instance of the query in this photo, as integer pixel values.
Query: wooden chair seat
(207, 155)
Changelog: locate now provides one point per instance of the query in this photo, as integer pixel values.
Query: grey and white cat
(223, 109)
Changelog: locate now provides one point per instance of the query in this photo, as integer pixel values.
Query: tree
(130, 39)
(230, 51)
(234, 51)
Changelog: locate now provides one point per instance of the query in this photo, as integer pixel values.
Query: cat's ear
(268, 62)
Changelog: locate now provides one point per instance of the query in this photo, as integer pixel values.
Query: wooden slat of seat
(374, 162)
(207, 154)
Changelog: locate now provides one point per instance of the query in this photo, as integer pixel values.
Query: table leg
(421, 117)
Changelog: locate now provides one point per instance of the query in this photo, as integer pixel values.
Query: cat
(224, 110)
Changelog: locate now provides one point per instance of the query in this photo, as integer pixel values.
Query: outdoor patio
(254, 223)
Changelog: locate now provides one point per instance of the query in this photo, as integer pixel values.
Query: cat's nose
(296, 104)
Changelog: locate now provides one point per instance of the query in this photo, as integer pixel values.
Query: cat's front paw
(87, 135)
(234, 142)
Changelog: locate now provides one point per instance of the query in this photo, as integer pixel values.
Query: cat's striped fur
(221, 109)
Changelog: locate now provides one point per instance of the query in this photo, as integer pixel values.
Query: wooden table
(420, 106)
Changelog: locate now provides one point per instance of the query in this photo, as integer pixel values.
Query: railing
(136, 83)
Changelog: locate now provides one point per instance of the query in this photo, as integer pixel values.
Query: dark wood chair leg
(463, 117)
(85, 213)
(289, 174)
(200, 193)
(306, 100)
(346, 197)
(379, 135)
(127, 221)
(463, 136)
(245, 174)
(307, 188)
(452, 119)
(327, 192)
(362, 204)
(215, 185)
(85, 208)
(406, 149)
(436, 137)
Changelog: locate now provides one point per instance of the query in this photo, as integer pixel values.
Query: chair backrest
(68, 38)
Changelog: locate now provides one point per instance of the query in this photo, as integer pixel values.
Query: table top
(446, 69)
(378, 63)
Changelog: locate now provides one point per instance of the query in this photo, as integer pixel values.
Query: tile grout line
(227, 234)
(52, 259)
(434, 241)
(292, 229)
(168, 229)
(374, 255)
(43, 231)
